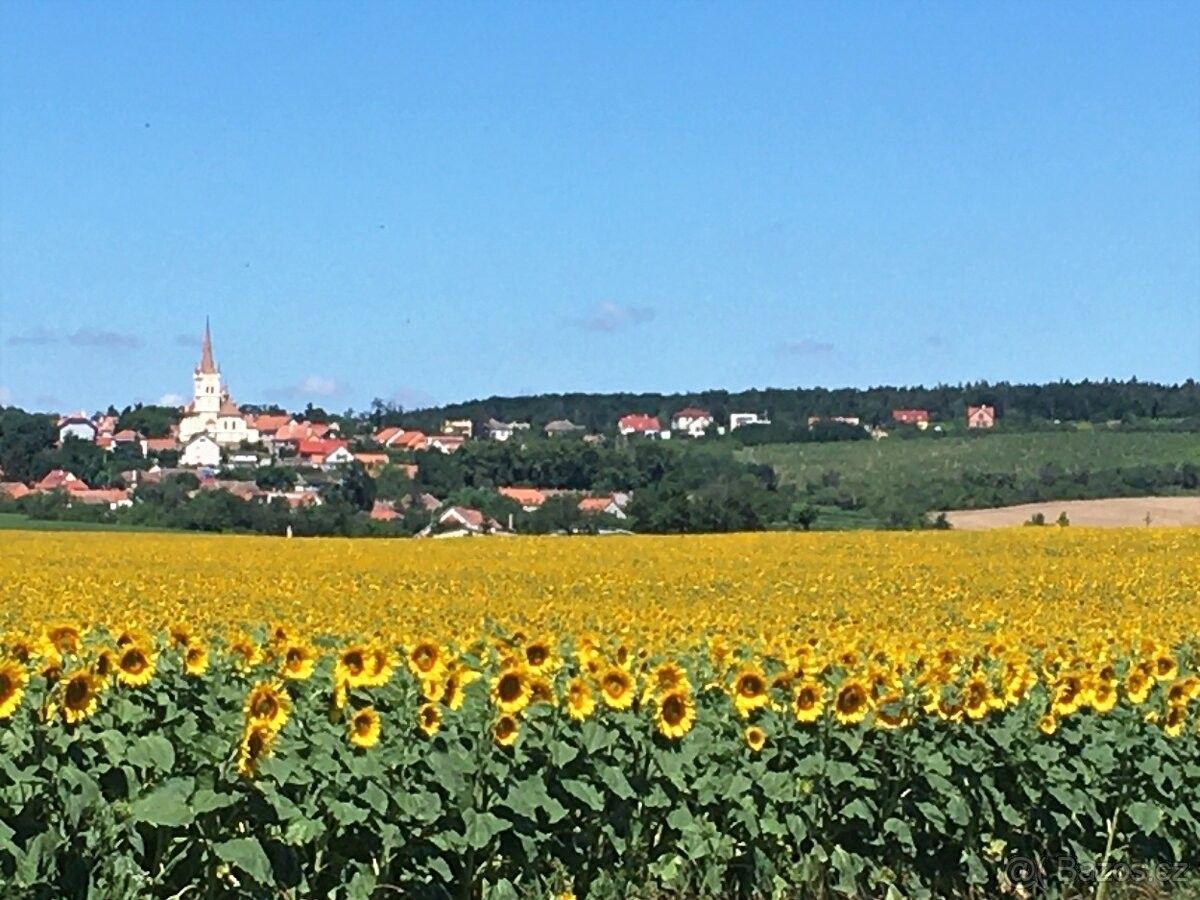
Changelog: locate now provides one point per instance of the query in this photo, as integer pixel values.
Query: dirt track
(1116, 512)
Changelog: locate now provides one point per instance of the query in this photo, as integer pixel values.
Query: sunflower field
(1010, 713)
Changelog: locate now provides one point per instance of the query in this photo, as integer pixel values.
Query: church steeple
(207, 366)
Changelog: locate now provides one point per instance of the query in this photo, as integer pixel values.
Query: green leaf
(1145, 816)
(248, 855)
(152, 752)
(562, 753)
(303, 830)
(206, 800)
(482, 827)
(166, 806)
(585, 793)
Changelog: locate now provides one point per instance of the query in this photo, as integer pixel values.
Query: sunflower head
(505, 730)
(539, 656)
(364, 728)
(268, 704)
(297, 661)
(616, 687)
(352, 666)
(1047, 724)
(65, 638)
(426, 659)
(580, 701)
(852, 702)
(245, 652)
(755, 738)
(977, 697)
(79, 696)
(1174, 721)
(195, 660)
(809, 702)
(256, 743)
(135, 666)
(675, 714)
(541, 690)
(750, 691)
(510, 691)
(429, 718)
(13, 679)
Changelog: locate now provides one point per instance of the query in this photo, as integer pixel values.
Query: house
(372, 462)
(918, 417)
(386, 436)
(247, 458)
(445, 443)
(502, 431)
(77, 426)
(295, 432)
(461, 521)
(105, 426)
(601, 505)
(692, 421)
(412, 440)
(14, 490)
(201, 451)
(113, 498)
(61, 480)
(639, 423)
(740, 420)
(383, 511)
(528, 498)
(983, 416)
(127, 437)
(460, 427)
(154, 446)
(562, 428)
(318, 451)
(268, 424)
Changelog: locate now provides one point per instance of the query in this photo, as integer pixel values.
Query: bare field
(1116, 512)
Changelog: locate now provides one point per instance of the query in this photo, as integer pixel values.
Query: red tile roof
(14, 490)
(524, 496)
(639, 422)
(60, 478)
(383, 511)
(315, 446)
(594, 504)
(693, 412)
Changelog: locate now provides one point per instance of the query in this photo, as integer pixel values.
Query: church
(211, 411)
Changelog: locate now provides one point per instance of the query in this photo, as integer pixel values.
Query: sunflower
(510, 691)
(429, 718)
(1181, 691)
(379, 666)
(541, 690)
(665, 678)
(256, 743)
(426, 660)
(1067, 692)
(433, 689)
(1048, 724)
(195, 660)
(453, 693)
(852, 702)
(580, 701)
(755, 738)
(675, 715)
(245, 652)
(364, 728)
(891, 711)
(809, 702)
(351, 668)
(297, 661)
(1165, 667)
(65, 638)
(977, 697)
(1174, 721)
(13, 679)
(106, 663)
(179, 635)
(135, 666)
(616, 688)
(749, 691)
(1138, 686)
(505, 730)
(268, 704)
(539, 656)
(1102, 695)
(80, 696)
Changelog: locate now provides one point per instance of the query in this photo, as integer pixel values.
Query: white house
(212, 411)
(201, 451)
(340, 456)
(461, 521)
(693, 421)
(737, 420)
(502, 431)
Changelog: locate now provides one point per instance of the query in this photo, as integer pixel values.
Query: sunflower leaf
(248, 855)
(166, 806)
(152, 752)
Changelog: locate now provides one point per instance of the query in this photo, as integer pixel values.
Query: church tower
(206, 380)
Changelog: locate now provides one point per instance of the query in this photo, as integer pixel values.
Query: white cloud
(609, 317)
(170, 399)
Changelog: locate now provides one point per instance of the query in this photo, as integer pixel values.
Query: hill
(889, 482)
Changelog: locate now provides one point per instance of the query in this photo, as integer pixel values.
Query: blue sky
(435, 202)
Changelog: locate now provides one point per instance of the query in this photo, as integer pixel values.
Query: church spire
(207, 366)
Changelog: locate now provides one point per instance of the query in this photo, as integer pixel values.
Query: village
(215, 437)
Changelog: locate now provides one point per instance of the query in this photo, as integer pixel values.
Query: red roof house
(638, 423)
(910, 416)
